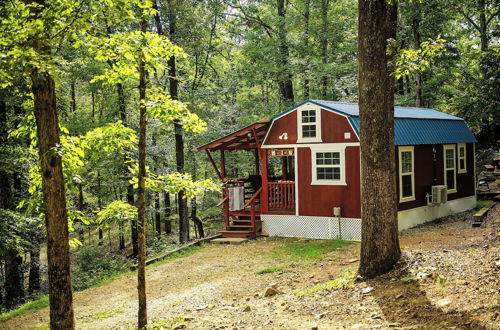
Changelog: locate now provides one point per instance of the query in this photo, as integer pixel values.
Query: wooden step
(239, 233)
(249, 227)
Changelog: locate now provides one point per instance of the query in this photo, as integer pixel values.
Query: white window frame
(412, 173)
(450, 147)
(464, 146)
(300, 124)
(314, 167)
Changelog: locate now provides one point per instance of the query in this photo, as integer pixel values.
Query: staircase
(245, 223)
(240, 225)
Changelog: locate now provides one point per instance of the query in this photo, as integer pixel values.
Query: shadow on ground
(404, 303)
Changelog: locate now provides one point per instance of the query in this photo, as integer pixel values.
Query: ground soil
(448, 278)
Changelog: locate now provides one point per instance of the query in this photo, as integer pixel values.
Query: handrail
(223, 200)
(253, 197)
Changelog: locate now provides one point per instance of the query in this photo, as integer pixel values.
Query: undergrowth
(345, 279)
(481, 204)
(95, 266)
(270, 270)
(306, 249)
(26, 308)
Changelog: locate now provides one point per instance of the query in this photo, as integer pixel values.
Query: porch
(269, 188)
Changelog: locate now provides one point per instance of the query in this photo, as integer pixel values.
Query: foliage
(94, 265)
(26, 308)
(409, 61)
(116, 212)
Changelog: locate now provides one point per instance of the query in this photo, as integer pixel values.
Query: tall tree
(379, 234)
(285, 77)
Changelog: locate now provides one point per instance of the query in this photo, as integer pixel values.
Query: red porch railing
(281, 195)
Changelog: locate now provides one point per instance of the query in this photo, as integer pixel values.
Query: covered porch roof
(249, 137)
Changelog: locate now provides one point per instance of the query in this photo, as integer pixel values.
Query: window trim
(314, 180)
(300, 124)
(412, 173)
(450, 147)
(462, 170)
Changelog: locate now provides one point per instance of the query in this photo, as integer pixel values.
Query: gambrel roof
(412, 125)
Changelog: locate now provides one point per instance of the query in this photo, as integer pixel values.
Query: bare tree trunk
(56, 217)
(285, 76)
(379, 238)
(307, 12)
(418, 75)
(73, 97)
(34, 273)
(93, 105)
(99, 205)
(324, 47)
(168, 212)
(483, 25)
(141, 191)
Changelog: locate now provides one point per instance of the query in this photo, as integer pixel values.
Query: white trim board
(309, 145)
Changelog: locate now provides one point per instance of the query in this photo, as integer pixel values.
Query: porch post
(264, 198)
(222, 164)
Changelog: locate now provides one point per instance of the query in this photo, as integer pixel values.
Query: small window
(309, 125)
(462, 165)
(328, 167)
(406, 174)
(450, 177)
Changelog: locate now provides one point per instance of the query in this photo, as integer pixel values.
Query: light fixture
(283, 136)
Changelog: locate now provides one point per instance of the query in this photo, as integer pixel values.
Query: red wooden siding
(424, 175)
(288, 124)
(333, 127)
(319, 200)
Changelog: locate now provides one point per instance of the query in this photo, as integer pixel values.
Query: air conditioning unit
(439, 194)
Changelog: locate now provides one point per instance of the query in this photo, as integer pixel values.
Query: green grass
(26, 308)
(103, 314)
(481, 204)
(346, 279)
(270, 270)
(308, 249)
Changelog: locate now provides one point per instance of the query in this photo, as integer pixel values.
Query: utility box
(336, 211)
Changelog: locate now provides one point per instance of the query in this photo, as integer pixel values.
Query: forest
(103, 104)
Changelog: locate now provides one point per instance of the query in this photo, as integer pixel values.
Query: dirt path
(218, 288)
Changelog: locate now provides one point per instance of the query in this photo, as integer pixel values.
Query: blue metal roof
(412, 126)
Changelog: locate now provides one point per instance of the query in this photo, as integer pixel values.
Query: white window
(450, 173)
(406, 174)
(462, 156)
(309, 124)
(328, 166)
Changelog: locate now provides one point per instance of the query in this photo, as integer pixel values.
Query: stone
(247, 308)
(271, 292)
(367, 290)
(443, 302)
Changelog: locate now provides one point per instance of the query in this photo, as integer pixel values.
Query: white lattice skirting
(312, 227)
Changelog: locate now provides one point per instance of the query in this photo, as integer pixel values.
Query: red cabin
(314, 192)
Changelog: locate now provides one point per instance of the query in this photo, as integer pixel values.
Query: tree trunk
(73, 97)
(14, 283)
(56, 217)
(99, 205)
(130, 189)
(34, 273)
(483, 26)
(178, 129)
(157, 212)
(418, 75)
(93, 105)
(168, 212)
(284, 74)
(379, 238)
(141, 191)
(307, 12)
(81, 231)
(324, 47)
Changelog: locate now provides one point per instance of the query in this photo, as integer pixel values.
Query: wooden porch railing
(281, 195)
(251, 202)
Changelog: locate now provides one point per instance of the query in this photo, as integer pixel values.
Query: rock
(199, 308)
(271, 292)
(367, 290)
(443, 302)
(247, 308)
(188, 318)
(356, 326)
(462, 282)
(314, 327)
(422, 275)
(352, 260)
(320, 316)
